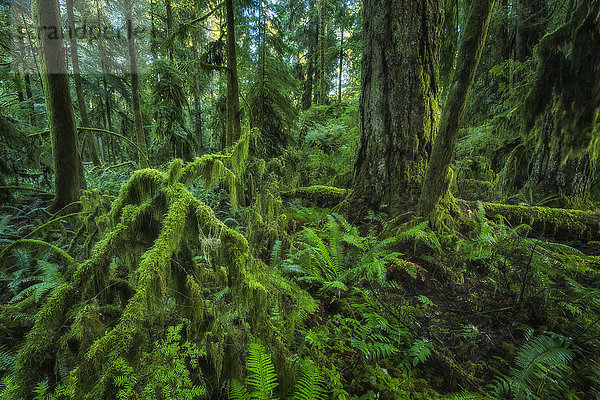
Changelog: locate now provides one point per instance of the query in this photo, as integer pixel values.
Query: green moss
(165, 231)
(556, 221)
(321, 195)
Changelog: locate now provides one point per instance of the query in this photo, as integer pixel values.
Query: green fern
(542, 366)
(420, 351)
(49, 278)
(276, 254)
(237, 391)
(310, 385)
(7, 359)
(262, 377)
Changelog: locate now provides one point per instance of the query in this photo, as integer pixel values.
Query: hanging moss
(162, 226)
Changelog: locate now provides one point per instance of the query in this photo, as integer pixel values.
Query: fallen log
(559, 222)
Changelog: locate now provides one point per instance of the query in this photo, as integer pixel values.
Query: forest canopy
(284, 199)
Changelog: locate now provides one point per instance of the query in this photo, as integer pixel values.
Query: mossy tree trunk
(308, 83)
(435, 185)
(135, 90)
(562, 108)
(234, 129)
(549, 175)
(398, 104)
(85, 122)
(16, 67)
(68, 170)
(532, 16)
(26, 74)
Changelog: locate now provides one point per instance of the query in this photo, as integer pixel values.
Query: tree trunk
(197, 120)
(26, 76)
(16, 64)
(435, 185)
(135, 90)
(307, 96)
(321, 86)
(557, 222)
(104, 148)
(234, 129)
(398, 104)
(308, 83)
(550, 174)
(93, 147)
(531, 25)
(341, 65)
(67, 163)
(170, 39)
(562, 107)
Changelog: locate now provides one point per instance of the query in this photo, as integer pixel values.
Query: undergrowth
(182, 283)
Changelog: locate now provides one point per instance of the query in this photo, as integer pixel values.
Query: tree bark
(398, 104)
(67, 163)
(435, 185)
(562, 106)
(234, 129)
(135, 90)
(550, 174)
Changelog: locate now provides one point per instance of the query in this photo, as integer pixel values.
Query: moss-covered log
(560, 222)
(177, 252)
(318, 194)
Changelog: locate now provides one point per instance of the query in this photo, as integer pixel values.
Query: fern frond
(420, 351)
(310, 385)
(540, 361)
(276, 254)
(7, 359)
(238, 391)
(262, 377)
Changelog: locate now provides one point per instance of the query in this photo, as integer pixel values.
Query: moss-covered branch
(551, 221)
(318, 194)
(167, 226)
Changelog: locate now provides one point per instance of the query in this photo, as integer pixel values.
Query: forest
(299, 199)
